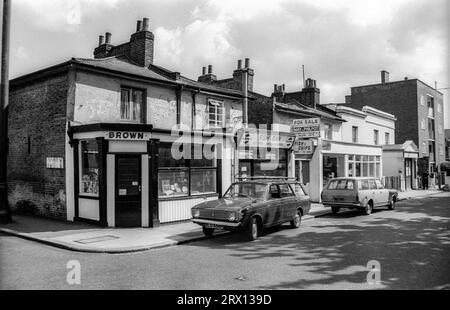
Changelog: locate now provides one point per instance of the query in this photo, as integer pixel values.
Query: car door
(383, 193)
(364, 191)
(272, 212)
(288, 202)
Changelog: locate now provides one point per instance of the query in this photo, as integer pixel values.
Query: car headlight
(232, 216)
(195, 213)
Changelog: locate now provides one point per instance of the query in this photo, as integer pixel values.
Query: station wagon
(253, 205)
(358, 193)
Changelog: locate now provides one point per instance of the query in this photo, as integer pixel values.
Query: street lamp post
(5, 213)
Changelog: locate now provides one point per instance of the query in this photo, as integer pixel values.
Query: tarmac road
(411, 244)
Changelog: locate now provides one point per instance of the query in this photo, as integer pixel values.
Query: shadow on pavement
(411, 243)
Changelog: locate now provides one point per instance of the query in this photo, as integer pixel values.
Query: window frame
(220, 107)
(81, 192)
(143, 105)
(355, 134)
(190, 170)
(376, 137)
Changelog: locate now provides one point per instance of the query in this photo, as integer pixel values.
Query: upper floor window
(376, 137)
(328, 132)
(387, 138)
(355, 134)
(131, 104)
(216, 113)
(430, 104)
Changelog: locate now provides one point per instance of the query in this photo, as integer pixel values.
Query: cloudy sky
(341, 43)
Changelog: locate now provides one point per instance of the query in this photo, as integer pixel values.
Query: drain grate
(97, 239)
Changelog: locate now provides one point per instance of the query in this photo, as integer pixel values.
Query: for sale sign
(306, 128)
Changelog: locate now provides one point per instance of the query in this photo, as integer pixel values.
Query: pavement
(87, 238)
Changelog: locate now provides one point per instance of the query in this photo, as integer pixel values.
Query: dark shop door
(128, 191)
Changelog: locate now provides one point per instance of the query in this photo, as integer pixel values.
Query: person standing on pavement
(425, 176)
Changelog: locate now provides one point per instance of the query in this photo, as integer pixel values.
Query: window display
(186, 177)
(89, 168)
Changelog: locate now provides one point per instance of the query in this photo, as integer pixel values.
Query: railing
(392, 182)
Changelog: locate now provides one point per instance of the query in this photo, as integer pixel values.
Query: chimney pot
(108, 38)
(101, 40)
(139, 26)
(275, 88)
(145, 24)
(247, 63)
(204, 71)
(239, 64)
(210, 69)
(284, 87)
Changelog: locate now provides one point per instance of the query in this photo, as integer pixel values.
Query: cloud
(57, 15)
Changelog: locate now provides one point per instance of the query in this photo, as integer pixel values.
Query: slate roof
(300, 108)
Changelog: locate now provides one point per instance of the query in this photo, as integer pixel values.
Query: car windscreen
(341, 185)
(252, 190)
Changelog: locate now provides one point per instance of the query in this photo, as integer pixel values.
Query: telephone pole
(5, 213)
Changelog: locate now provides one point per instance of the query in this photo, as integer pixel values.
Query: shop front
(333, 159)
(130, 175)
(401, 165)
(265, 153)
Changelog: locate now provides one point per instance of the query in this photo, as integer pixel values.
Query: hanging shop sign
(128, 135)
(303, 147)
(306, 128)
(252, 138)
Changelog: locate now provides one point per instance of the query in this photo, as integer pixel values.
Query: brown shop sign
(128, 136)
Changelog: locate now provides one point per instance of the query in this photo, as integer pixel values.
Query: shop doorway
(408, 173)
(128, 191)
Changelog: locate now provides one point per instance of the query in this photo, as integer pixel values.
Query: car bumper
(342, 204)
(225, 225)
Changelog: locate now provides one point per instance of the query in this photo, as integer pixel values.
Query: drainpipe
(5, 212)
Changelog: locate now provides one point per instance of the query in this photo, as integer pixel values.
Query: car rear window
(341, 185)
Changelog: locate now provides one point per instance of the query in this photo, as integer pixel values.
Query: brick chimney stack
(139, 50)
(208, 78)
(310, 95)
(239, 73)
(142, 44)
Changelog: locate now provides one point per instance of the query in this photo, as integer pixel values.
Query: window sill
(189, 197)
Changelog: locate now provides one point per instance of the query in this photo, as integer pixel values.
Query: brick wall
(36, 130)
(399, 99)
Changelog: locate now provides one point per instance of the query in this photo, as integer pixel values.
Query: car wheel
(297, 221)
(335, 210)
(392, 204)
(208, 231)
(368, 209)
(252, 232)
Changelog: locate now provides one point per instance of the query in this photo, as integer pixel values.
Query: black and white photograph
(224, 151)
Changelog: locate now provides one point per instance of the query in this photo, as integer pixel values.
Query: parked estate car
(358, 193)
(253, 205)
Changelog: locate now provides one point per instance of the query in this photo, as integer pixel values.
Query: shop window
(131, 104)
(216, 113)
(89, 168)
(364, 166)
(186, 177)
